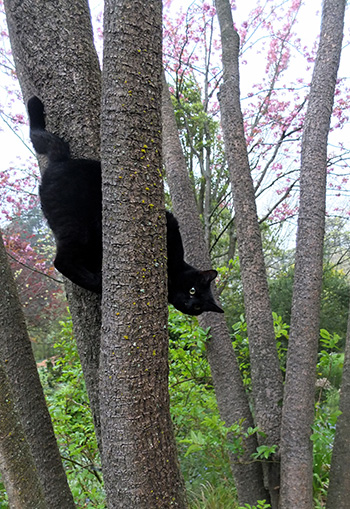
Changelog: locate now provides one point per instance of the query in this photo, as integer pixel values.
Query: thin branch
(221, 234)
(283, 136)
(3, 117)
(280, 177)
(278, 203)
(91, 468)
(34, 269)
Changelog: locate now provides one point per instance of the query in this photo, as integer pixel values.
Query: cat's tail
(44, 142)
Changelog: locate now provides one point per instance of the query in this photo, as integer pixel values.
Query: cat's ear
(211, 306)
(208, 275)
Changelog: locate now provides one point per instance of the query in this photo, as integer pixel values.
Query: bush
(68, 404)
(204, 441)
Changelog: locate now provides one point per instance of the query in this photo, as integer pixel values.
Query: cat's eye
(192, 291)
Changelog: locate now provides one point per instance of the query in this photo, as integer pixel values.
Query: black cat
(70, 194)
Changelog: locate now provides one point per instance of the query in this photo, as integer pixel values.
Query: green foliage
(337, 243)
(69, 409)
(241, 345)
(208, 496)
(261, 505)
(193, 121)
(201, 436)
(329, 369)
(3, 496)
(282, 335)
(203, 149)
(204, 441)
(264, 451)
(322, 438)
(334, 299)
(331, 361)
(231, 289)
(335, 302)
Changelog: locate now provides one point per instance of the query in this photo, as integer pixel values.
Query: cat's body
(71, 200)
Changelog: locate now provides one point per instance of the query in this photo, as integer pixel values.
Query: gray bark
(298, 409)
(17, 466)
(52, 45)
(139, 454)
(265, 370)
(230, 393)
(18, 360)
(339, 478)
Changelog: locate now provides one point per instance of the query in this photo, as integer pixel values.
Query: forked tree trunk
(299, 400)
(265, 369)
(231, 397)
(139, 455)
(17, 465)
(18, 360)
(52, 45)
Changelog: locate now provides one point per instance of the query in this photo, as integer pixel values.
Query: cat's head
(192, 294)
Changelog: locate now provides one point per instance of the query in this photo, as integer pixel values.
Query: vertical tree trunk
(339, 478)
(298, 409)
(18, 359)
(17, 466)
(266, 375)
(230, 393)
(139, 455)
(52, 45)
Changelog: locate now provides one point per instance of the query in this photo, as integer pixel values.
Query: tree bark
(298, 410)
(230, 393)
(339, 478)
(18, 360)
(52, 45)
(265, 370)
(17, 466)
(139, 454)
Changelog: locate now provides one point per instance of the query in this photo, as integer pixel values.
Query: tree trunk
(17, 465)
(18, 360)
(230, 393)
(52, 45)
(139, 454)
(298, 410)
(265, 370)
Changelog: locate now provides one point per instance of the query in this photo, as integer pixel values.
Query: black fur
(70, 194)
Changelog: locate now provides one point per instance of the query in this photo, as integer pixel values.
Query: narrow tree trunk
(139, 454)
(18, 359)
(339, 477)
(52, 45)
(17, 466)
(266, 374)
(230, 393)
(298, 410)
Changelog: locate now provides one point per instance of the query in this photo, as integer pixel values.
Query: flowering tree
(273, 106)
